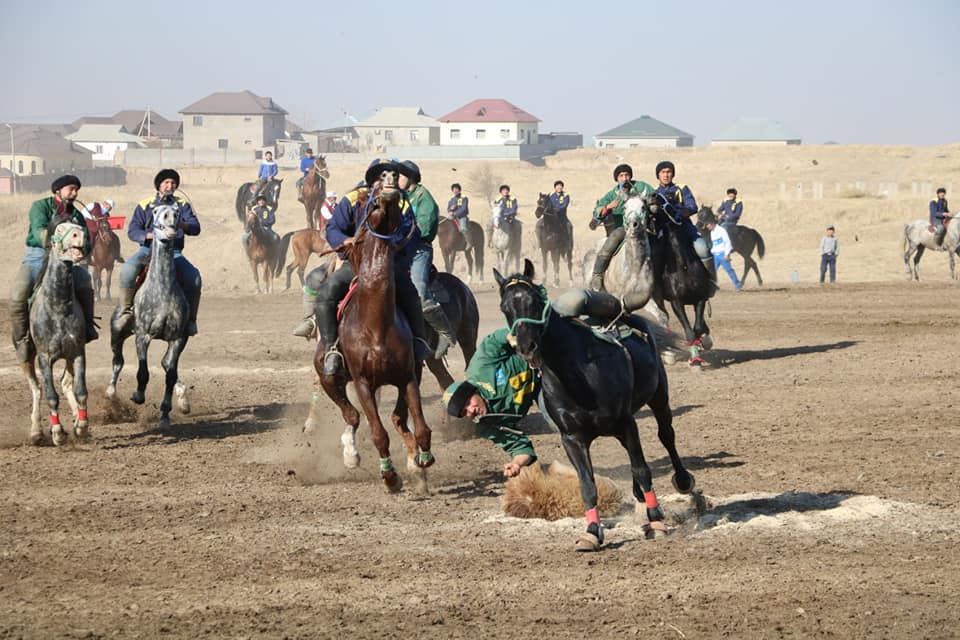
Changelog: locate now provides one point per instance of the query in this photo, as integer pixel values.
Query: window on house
(481, 134)
(505, 134)
(198, 121)
(414, 135)
(248, 142)
(388, 135)
(454, 134)
(222, 143)
(33, 167)
(20, 166)
(247, 119)
(376, 132)
(99, 148)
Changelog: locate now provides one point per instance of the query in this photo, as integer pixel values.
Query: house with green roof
(755, 131)
(643, 132)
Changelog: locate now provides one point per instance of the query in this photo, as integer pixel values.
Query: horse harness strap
(346, 299)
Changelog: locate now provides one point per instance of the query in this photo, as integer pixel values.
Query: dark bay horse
(554, 237)
(106, 251)
(680, 277)
(304, 242)
(58, 332)
(460, 305)
(452, 242)
(593, 388)
(377, 344)
(160, 311)
(744, 240)
(247, 194)
(263, 252)
(315, 192)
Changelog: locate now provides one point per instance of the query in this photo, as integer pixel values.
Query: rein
(544, 317)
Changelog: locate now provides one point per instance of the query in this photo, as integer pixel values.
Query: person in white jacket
(721, 252)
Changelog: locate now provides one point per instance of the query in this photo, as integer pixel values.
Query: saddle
(615, 333)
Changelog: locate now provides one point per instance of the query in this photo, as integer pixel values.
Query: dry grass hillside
(869, 225)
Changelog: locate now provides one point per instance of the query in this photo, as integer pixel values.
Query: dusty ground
(825, 438)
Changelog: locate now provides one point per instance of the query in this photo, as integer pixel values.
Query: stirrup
(332, 361)
(421, 350)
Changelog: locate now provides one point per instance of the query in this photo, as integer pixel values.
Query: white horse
(917, 237)
(505, 238)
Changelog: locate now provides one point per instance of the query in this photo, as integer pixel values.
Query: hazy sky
(848, 71)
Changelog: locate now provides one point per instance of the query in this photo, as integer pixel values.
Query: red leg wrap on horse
(651, 499)
(593, 516)
(82, 414)
(54, 419)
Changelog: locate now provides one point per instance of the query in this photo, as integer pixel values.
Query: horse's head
(543, 203)
(252, 222)
(66, 242)
(705, 215)
(320, 166)
(636, 216)
(527, 310)
(103, 225)
(165, 222)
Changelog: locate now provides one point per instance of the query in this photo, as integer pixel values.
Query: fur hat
(456, 185)
(457, 395)
(731, 190)
(666, 164)
(63, 181)
(558, 182)
(166, 174)
(621, 168)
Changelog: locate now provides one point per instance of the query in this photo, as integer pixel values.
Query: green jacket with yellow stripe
(426, 211)
(42, 212)
(616, 214)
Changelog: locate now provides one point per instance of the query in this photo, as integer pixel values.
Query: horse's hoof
(655, 529)
(183, 402)
(111, 391)
(351, 457)
(164, 423)
(58, 435)
(36, 438)
(424, 459)
(706, 342)
(82, 431)
(587, 542)
(393, 481)
(137, 397)
(692, 482)
(668, 357)
(309, 425)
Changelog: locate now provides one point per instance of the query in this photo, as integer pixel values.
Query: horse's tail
(282, 254)
(761, 247)
(241, 203)
(667, 339)
(478, 248)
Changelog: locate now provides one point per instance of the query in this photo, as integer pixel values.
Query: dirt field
(824, 436)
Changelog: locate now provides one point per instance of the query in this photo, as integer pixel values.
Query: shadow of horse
(662, 466)
(726, 358)
(788, 502)
(486, 485)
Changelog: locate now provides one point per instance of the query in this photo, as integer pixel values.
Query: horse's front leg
(556, 267)
(399, 419)
(256, 274)
(170, 362)
(916, 262)
(36, 430)
(378, 434)
(74, 385)
(643, 492)
(688, 332)
(578, 452)
(96, 283)
(109, 280)
(143, 372)
(53, 400)
(421, 431)
(116, 345)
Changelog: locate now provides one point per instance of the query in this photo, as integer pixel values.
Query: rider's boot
(85, 297)
(20, 324)
(600, 305)
(308, 326)
(125, 317)
(327, 326)
(599, 270)
(435, 316)
(193, 301)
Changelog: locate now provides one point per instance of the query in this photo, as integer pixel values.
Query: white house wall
(493, 133)
(104, 151)
(631, 143)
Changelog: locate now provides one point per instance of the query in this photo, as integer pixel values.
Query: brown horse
(451, 242)
(262, 252)
(377, 344)
(304, 242)
(106, 251)
(314, 193)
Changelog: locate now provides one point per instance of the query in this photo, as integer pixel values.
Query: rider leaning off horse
(54, 209)
(458, 210)
(340, 232)
(508, 211)
(427, 216)
(166, 183)
(939, 215)
(267, 216)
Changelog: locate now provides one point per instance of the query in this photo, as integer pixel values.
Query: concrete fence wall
(96, 177)
(801, 190)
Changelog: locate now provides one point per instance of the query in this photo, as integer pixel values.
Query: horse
(106, 251)
(451, 242)
(744, 240)
(554, 237)
(593, 387)
(315, 192)
(263, 252)
(460, 305)
(917, 237)
(304, 242)
(58, 332)
(160, 311)
(377, 344)
(506, 237)
(247, 193)
(680, 277)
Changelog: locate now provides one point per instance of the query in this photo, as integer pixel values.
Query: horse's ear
(498, 278)
(528, 268)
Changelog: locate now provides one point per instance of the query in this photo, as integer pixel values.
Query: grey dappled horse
(58, 332)
(917, 237)
(160, 311)
(506, 238)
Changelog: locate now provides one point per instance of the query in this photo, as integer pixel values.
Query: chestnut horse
(304, 242)
(314, 193)
(451, 241)
(106, 251)
(262, 252)
(377, 344)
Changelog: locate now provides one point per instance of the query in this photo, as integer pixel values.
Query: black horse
(554, 237)
(744, 240)
(460, 305)
(680, 277)
(248, 192)
(593, 388)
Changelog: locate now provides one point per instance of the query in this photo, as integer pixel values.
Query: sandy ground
(824, 437)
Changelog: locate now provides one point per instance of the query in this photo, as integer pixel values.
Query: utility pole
(13, 160)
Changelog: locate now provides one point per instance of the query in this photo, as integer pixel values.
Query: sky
(847, 71)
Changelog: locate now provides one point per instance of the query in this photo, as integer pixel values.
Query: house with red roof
(488, 121)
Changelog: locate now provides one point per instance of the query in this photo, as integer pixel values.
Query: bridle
(541, 293)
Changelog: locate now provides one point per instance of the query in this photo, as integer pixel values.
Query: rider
(498, 391)
(268, 171)
(939, 215)
(609, 211)
(140, 231)
(53, 209)
(680, 205)
(458, 209)
(340, 232)
(306, 163)
(267, 216)
(508, 211)
(328, 205)
(559, 201)
(427, 216)
(730, 210)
